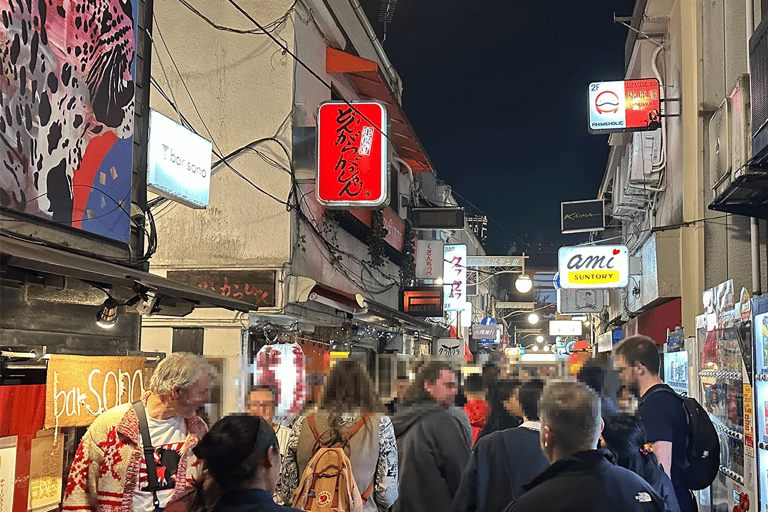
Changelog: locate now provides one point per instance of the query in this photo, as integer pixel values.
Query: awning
(382, 311)
(334, 298)
(25, 255)
(366, 76)
(746, 195)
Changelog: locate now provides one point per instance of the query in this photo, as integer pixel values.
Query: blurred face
(261, 403)
(402, 386)
(512, 404)
(443, 390)
(628, 374)
(188, 400)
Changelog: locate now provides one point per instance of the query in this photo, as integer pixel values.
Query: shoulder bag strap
(149, 452)
(354, 431)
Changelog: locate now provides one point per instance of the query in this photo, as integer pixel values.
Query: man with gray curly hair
(110, 472)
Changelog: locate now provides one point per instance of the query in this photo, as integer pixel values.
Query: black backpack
(702, 445)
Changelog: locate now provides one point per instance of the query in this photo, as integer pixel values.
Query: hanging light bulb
(533, 318)
(539, 338)
(535, 348)
(523, 284)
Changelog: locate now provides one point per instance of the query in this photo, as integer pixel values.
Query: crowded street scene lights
(524, 283)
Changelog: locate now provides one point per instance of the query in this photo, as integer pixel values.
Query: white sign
(593, 266)
(455, 277)
(580, 301)
(178, 162)
(495, 261)
(565, 327)
(526, 306)
(7, 471)
(449, 348)
(429, 259)
(605, 342)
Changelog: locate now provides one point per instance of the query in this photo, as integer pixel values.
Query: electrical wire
(268, 28)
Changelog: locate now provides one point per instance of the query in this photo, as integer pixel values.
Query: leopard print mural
(67, 108)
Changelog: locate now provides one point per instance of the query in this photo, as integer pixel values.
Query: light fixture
(546, 348)
(535, 348)
(586, 322)
(107, 315)
(523, 284)
(539, 338)
(533, 318)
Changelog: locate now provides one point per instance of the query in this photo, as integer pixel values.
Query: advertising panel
(455, 277)
(565, 327)
(422, 301)
(627, 105)
(429, 259)
(69, 145)
(579, 301)
(178, 162)
(352, 154)
(582, 216)
(594, 267)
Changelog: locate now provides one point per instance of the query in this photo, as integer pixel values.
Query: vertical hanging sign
(455, 277)
(352, 154)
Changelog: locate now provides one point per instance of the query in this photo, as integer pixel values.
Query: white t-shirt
(167, 438)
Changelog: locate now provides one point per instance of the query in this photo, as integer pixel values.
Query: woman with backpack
(348, 419)
(625, 436)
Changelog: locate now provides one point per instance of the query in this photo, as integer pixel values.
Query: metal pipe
(376, 45)
(754, 239)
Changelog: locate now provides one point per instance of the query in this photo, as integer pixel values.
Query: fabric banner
(79, 388)
(45, 472)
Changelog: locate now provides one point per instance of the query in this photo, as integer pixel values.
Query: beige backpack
(327, 483)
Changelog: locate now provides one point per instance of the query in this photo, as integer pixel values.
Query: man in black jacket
(504, 460)
(581, 478)
(432, 449)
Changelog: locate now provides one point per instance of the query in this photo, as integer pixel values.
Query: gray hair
(572, 412)
(179, 369)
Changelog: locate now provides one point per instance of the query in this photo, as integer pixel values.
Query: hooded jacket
(432, 453)
(477, 410)
(588, 481)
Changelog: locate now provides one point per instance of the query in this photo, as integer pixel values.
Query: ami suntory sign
(601, 266)
(352, 154)
(627, 105)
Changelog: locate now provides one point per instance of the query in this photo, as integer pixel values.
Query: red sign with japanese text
(352, 155)
(255, 287)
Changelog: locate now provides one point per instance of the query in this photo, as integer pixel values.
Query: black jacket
(588, 481)
(432, 452)
(500, 464)
(248, 500)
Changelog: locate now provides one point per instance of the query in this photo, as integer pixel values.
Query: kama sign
(595, 267)
(352, 154)
(628, 105)
(582, 216)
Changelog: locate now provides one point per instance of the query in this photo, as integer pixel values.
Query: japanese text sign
(628, 105)
(455, 277)
(595, 267)
(429, 259)
(352, 155)
(255, 287)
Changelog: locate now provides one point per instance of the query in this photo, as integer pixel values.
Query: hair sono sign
(352, 154)
(604, 266)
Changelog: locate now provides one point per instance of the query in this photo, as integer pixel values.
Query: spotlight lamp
(107, 315)
(533, 318)
(539, 338)
(535, 348)
(523, 284)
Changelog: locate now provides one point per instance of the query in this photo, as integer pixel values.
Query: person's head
(625, 436)
(570, 419)
(637, 360)
(473, 386)
(183, 380)
(505, 400)
(435, 380)
(593, 375)
(528, 397)
(262, 401)
(402, 386)
(348, 388)
(241, 452)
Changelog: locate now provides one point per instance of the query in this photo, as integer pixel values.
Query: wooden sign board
(79, 388)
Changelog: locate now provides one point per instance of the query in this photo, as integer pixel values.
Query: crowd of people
(505, 444)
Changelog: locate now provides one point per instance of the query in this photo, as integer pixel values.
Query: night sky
(496, 91)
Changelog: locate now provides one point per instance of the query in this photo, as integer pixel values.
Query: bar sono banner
(352, 154)
(595, 267)
(627, 105)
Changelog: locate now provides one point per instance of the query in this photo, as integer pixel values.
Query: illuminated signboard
(429, 259)
(422, 301)
(595, 267)
(178, 162)
(565, 327)
(455, 277)
(352, 155)
(628, 105)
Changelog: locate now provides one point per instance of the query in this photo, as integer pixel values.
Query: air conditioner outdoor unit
(740, 126)
(644, 156)
(758, 65)
(720, 145)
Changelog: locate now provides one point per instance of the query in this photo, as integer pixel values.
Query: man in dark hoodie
(431, 447)
(581, 478)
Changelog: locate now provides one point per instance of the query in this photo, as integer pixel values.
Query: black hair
(234, 447)
(625, 436)
(529, 396)
(593, 375)
(473, 383)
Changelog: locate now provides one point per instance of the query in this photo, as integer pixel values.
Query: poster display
(7, 472)
(45, 471)
(283, 366)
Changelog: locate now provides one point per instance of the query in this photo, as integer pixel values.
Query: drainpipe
(376, 45)
(754, 223)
